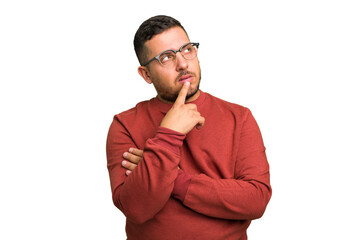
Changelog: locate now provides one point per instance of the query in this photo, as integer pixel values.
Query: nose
(181, 62)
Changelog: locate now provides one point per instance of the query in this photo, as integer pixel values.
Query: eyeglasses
(168, 57)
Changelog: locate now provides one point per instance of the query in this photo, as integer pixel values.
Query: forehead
(172, 38)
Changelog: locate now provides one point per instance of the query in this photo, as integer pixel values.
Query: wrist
(181, 185)
(169, 139)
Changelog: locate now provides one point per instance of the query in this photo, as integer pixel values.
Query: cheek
(162, 82)
(165, 77)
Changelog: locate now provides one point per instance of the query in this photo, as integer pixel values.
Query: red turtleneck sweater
(224, 179)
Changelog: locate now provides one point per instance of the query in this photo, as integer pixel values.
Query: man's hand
(183, 117)
(133, 158)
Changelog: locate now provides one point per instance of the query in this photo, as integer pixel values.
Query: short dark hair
(151, 27)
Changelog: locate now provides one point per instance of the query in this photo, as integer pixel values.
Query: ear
(144, 73)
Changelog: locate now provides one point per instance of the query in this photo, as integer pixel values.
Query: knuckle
(136, 160)
(192, 106)
(132, 158)
(131, 166)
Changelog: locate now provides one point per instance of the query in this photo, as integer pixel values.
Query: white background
(66, 67)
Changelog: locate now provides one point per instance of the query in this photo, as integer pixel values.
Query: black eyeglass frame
(174, 51)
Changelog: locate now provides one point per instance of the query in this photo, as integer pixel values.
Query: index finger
(181, 98)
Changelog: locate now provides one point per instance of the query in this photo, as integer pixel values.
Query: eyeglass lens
(168, 57)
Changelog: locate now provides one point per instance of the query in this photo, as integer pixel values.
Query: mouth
(186, 78)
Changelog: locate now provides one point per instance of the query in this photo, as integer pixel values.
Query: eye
(166, 57)
(187, 49)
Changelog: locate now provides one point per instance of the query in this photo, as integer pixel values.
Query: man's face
(169, 80)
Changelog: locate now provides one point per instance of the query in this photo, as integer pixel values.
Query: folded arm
(138, 197)
(244, 197)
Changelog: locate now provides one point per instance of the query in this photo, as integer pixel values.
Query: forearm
(144, 193)
(242, 196)
(227, 198)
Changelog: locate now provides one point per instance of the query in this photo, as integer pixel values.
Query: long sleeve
(144, 193)
(244, 197)
(222, 184)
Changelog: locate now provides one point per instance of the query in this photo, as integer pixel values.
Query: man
(184, 165)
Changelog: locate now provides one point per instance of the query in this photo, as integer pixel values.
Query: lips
(186, 78)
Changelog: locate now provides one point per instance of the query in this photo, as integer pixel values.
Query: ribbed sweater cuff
(181, 185)
(169, 139)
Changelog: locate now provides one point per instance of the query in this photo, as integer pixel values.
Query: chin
(172, 97)
(192, 92)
